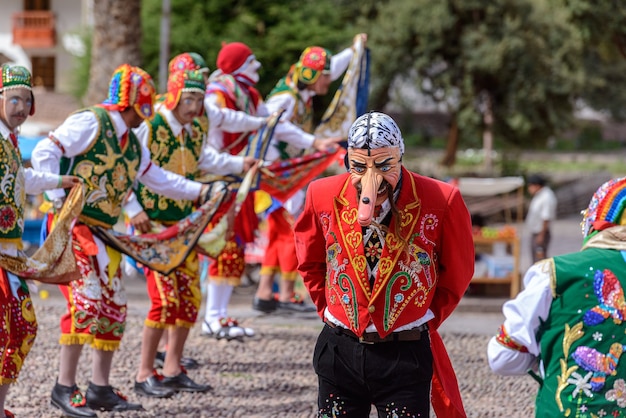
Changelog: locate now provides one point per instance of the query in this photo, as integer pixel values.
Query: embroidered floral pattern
(333, 407)
(373, 248)
(7, 219)
(77, 399)
(581, 384)
(618, 393)
(119, 176)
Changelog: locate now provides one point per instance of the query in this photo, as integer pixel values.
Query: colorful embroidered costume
(231, 87)
(292, 95)
(386, 255)
(95, 144)
(98, 145)
(568, 322)
(181, 149)
(18, 325)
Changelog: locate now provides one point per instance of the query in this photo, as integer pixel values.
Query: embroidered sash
(54, 261)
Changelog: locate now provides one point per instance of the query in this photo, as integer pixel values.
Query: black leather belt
(414, 334)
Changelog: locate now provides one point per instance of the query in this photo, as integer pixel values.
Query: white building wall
(71, 16)
(14, 53)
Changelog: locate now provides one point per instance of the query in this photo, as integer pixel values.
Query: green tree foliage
(528, 62)
(602, 26)
(520, 58)
(277, 31)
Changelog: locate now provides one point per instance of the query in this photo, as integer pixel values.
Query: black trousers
(395, 377)
(539, 251)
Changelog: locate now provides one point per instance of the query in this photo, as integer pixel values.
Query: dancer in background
(309, 77)
(98, 145)
(177, 142)
(232, 87)
(566, 328)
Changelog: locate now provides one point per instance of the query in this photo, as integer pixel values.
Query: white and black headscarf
(375, 130)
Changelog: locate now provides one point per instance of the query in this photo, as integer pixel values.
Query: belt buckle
(362, 340)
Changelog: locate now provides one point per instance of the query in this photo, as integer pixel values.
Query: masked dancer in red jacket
(386, 255)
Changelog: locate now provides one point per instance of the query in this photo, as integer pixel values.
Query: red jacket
(433, 274)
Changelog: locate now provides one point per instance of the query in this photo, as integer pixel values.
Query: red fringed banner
(282, 179)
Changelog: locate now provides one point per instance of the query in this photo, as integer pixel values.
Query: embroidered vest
(12, 198)
(108, 171)
(402, 290)
(583, 337)
(302, 115)
(175, 154)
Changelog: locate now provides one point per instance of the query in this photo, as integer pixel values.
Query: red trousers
(96, 303)
(280, 253)
(176, 297)
(18, 326)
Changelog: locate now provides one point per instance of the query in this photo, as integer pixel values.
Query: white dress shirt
(77, 134)
(210, 160)
(523, 315)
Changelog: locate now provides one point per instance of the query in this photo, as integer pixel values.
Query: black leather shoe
(295, 306)
(159, 359)
(106, 398)
(71, 401)
(187, 362)
(153, 388)
(264, 305)
(183, 383)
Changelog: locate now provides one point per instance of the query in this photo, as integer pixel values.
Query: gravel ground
(269, 375)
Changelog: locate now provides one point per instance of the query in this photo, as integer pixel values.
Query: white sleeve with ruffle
(523, 316)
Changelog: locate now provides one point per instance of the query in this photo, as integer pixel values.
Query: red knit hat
(232, 56)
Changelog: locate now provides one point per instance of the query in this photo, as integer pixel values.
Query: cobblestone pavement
(271, 375)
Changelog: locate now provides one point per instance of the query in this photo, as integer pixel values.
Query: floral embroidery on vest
(584, 377)
(12, 190)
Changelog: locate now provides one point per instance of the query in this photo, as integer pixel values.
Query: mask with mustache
(375, 149)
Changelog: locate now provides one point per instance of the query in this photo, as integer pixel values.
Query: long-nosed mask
(375, 174)
(375, 149)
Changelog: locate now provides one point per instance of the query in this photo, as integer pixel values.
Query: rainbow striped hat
(606, 208)
(131, 87)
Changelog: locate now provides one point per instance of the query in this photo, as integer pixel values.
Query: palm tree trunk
(116, 40)
(449, 159)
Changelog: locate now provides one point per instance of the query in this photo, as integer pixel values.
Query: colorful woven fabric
(350, 100)
(131, 87)
(188, 61)
(167, 248)
(213, 240)
(283, 178)
(16, 76)
(180, 82)
(606, 207)
(52, 263)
